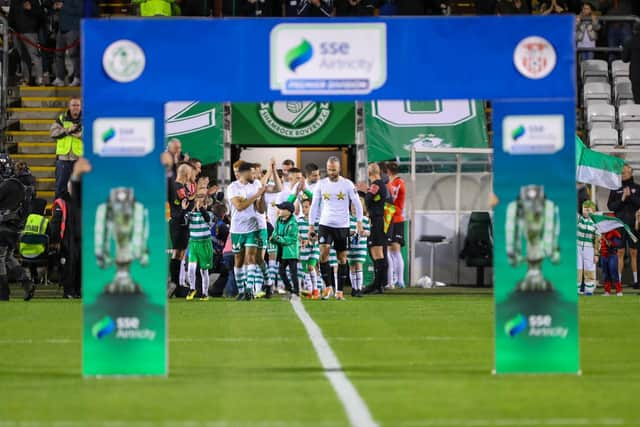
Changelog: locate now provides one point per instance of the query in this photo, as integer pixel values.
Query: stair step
(20, 113)
(44, 101)
(43, 172)
(45, 184)
(36, 159)
(26, 135)
(36, 124)
(36, 147)
(48, 195)
(44, 91)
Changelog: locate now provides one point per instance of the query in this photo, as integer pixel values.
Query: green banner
(298, 123)
(536, 310)
(199, 126)
(123, 258)
(393, 127)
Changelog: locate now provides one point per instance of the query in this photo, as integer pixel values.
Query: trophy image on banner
(122, 227)
(532, 226)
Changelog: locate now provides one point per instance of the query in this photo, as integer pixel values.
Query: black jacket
(631, 53)
(376, 198)
(625, 210)
(364, 8)
(26, 21)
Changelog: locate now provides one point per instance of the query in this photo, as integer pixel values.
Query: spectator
(69, 14)
(512, 7)
(387, 8)
(156, 7)
(354, 7)
(631, 53)
(554, 8)
(27, 19)
(618, 33)
(67, 131)
(315, 8)
(587, 27)
(256, 8)
(624, 202)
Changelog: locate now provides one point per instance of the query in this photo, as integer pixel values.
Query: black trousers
(71, 271)
(293, 270)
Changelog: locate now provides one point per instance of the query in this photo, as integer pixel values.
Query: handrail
(4, 28)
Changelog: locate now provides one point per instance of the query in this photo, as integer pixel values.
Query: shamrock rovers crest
(294, 119)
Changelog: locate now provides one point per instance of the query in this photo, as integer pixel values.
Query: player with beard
(330, 209)
(244, 195)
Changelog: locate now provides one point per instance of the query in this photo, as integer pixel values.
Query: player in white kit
(330, 209)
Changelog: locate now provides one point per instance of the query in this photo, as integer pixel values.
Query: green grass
(423, 358)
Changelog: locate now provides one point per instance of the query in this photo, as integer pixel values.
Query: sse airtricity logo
(103, 327)
(516, 325)
(123, 61)
(518, 133)
(299, 55)
(108, 135)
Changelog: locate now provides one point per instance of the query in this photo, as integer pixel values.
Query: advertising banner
(297, 123)
(536, 306)
(124, 263)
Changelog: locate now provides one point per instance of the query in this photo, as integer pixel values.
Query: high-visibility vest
(155, 8)
(36, 224)
(68, 144)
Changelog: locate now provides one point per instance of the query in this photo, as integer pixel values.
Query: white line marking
(357, 411)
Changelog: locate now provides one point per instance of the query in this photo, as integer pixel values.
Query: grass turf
(417, 358)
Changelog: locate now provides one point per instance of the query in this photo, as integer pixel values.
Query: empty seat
(601, 115)
(622, 92)
(603, 136)
(598, 92)
(594, 68)
(595, 79)
(619, 69)
(629, 115)
(631, 137)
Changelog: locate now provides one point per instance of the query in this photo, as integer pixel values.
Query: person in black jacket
(27, 18)
(354, 7)
(631, 54)
(315, 8)
(376, 194)
(624, 202)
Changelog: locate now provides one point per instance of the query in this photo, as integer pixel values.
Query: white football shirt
(330, 204)
(246, 220)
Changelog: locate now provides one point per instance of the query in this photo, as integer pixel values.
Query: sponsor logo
(108, 135)
(103, 327)
(123, 137)
(518, 133)
(533, 134)
(122, 328)
(516, 325)
(536, 325)
(328, 58)
(294, 119)
(299, 55)
(123, 61)
(534, 57)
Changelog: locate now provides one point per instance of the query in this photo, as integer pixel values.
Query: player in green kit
(309, 253)
(357, 253)
(200, 246)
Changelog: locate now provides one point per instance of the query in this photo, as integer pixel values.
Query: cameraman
(13, 213)
(67, 131)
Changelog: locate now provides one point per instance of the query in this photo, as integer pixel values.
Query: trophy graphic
(122, 227)
(532, 223)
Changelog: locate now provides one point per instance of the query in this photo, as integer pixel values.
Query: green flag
(597, 168)
(393, 127)
(605, 223)
(198, 126)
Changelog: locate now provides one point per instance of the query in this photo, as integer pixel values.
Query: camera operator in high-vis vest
(67, 131)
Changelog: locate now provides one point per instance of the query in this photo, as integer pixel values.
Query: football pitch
(416, 357)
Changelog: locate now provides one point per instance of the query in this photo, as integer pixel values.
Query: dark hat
(286, 205)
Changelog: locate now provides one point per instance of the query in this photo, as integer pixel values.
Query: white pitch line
(357, 411)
